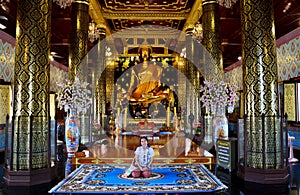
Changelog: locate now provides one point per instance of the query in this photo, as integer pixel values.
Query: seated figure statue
(146, 79)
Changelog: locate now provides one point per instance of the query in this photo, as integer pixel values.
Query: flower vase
(72, 133)
(220, 125)
(207, 110)
(68, 167)
(230, 109)
(213, 109)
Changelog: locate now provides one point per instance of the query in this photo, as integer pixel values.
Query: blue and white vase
(72, 133)
(213, 109)
(68, 166)
(230, 109)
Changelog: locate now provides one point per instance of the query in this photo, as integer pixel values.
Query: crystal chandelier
(63, 3)
(4, 5)
(197, 32)
(108, 52)
(93, 32)
(227, 3)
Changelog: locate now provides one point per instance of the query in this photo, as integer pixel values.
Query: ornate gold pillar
(197, 85)
(190, 106)
(102, 98)
(30, 140)
(263, 142)
(182, 63)
(109, 88)
(110, 74)
(211, 37)
(78, 66)
(79, 35)
(101, 83)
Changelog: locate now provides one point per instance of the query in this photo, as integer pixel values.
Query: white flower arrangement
(219, 95)
(74, 96)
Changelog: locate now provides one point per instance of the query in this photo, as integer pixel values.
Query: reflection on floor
(168, 148)
(235, 185)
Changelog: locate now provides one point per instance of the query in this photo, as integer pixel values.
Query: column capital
(189, 29)
(209, 2)
(101, 28)
(81, 1)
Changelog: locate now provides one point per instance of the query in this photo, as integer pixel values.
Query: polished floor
(114, 153)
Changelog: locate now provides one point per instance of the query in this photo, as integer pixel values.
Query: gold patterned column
(263, 139)
(181, 89)
(79, 35)
(197, 95)
(110, 80)
(102, 98)
(194, 84)
(30, 152)
(190, 52)
(101, 64)
(211, 36)
(99, 69)
(196, 87)
(78, 66)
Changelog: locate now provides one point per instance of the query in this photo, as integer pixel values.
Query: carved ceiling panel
(139, 6)
(179, 15)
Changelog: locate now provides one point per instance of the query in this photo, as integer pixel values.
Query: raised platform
(168, 149)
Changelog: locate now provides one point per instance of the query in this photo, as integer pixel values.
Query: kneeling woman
(141, 164)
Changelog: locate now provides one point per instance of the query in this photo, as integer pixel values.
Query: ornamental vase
(68, 167)
(213, 109)
(230, 109)
(72, 133)
(207, 110)
(220, 125)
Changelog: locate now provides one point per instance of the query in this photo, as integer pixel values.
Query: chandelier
(4, 5)
(197, 32)
(63, 3)
(93, 32)
(227, 3)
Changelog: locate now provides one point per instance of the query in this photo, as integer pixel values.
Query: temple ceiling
(130, 15)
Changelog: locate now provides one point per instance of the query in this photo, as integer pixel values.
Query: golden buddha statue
(146, 77)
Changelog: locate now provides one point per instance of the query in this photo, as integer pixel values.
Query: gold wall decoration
(289, 96)
(5, 102)
(7, 57)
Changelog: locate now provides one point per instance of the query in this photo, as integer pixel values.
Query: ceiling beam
(193, 18)
(142, 15)
(194, 15)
